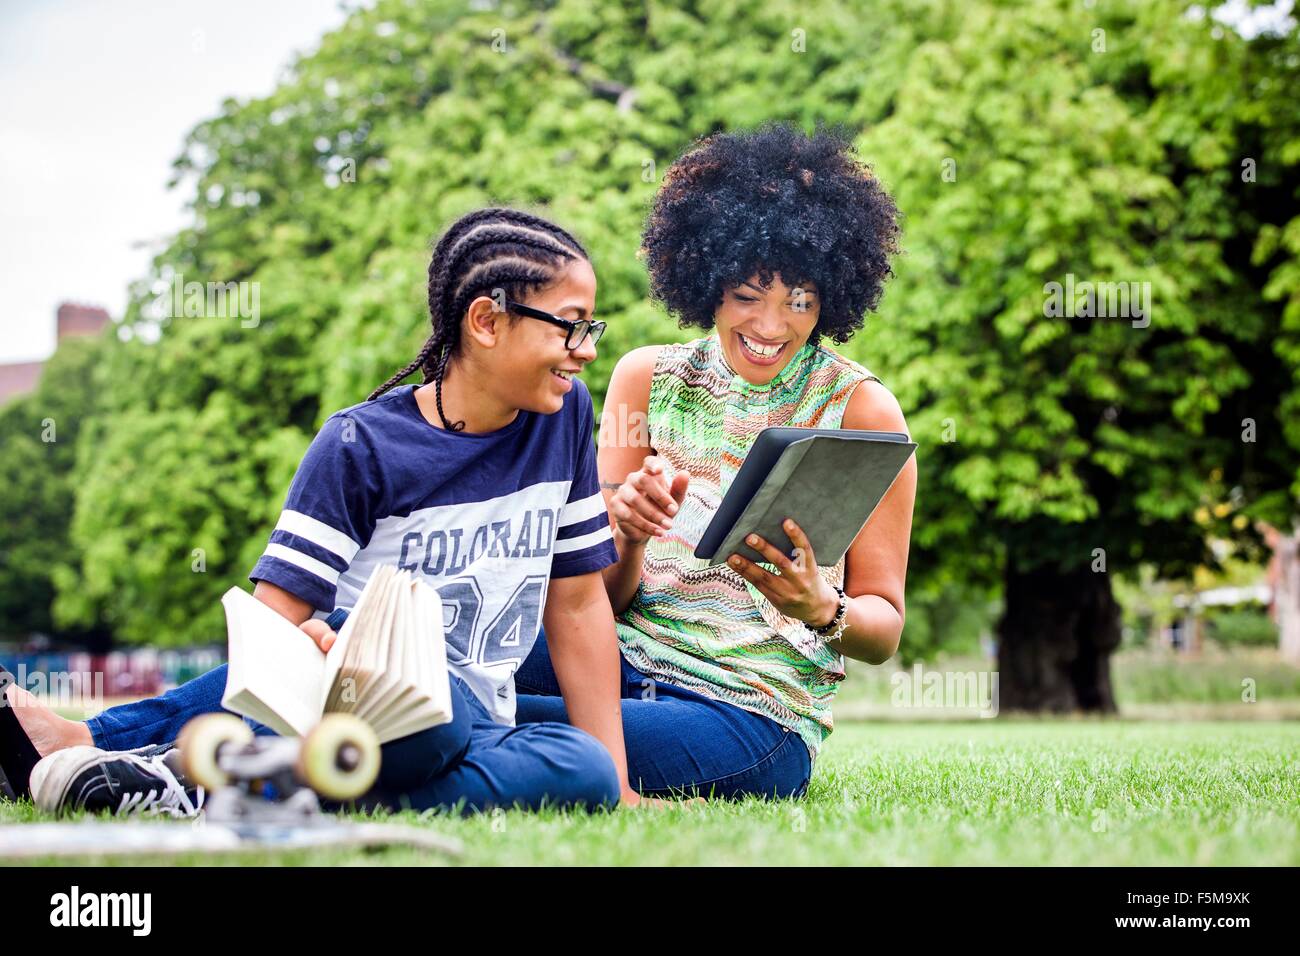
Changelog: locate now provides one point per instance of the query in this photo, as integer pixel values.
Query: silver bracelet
(836, 626)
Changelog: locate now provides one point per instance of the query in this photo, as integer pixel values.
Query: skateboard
(262, 794)
(19, 841)
(276, 779)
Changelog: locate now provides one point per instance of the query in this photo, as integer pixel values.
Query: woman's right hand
(320, 632)
(646, 502)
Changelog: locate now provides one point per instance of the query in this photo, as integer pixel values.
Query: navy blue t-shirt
(486, 520)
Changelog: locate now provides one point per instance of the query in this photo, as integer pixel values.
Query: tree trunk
(1055, 639)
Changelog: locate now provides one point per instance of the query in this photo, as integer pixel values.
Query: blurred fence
(77, 676)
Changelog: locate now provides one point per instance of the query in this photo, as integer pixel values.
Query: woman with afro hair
(772, 242)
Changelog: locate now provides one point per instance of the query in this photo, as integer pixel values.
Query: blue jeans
(679, 741)
(471, 763)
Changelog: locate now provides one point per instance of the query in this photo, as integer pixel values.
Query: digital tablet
(829, 480)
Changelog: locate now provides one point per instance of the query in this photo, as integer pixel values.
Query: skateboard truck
(272, 779)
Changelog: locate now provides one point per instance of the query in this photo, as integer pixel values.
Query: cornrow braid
(483, 252)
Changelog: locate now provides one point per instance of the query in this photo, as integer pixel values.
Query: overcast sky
(97, 99)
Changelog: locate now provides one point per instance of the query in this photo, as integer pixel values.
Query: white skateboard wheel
(340, 757)
(201, 740)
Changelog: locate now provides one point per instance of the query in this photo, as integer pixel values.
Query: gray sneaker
(122, 782)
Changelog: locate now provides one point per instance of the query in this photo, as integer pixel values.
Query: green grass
(1057, 792)
(1217, 675)
(1220, 683)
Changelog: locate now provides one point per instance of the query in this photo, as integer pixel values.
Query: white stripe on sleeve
(318, 533)
(306, 562)
(565, 545)
(576, 512)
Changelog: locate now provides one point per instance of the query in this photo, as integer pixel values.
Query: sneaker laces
(171, 799)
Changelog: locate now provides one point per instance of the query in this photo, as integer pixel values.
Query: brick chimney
(76, 319)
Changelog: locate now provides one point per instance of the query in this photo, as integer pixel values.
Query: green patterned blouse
(706, 628)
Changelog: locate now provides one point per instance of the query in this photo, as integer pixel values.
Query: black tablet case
(829, 480)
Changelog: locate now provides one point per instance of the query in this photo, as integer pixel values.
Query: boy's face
(532, 367)
(761, 329)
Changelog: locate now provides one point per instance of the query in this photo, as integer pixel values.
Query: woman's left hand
(797, 591)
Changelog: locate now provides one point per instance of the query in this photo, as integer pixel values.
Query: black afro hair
(771, 201)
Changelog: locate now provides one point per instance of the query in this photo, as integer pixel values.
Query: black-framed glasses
(579, 329)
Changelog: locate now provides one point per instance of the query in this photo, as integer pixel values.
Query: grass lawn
(1058, 792)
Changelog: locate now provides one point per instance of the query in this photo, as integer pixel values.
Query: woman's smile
(761, 351)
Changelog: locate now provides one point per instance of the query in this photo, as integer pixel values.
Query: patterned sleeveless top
(706, 628)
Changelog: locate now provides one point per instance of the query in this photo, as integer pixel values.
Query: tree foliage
(1066, 434)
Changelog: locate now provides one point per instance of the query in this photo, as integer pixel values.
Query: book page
(389, 664)
(428, 701)
(384, 675)
(340, 693)
(275, 671)
(393, 690)
(372, 651)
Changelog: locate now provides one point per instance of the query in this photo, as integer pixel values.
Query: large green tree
(39, 436)
(1047, 145)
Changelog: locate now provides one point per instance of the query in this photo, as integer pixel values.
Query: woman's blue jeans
(679, 741)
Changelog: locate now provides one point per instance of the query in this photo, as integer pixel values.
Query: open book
(388, 666)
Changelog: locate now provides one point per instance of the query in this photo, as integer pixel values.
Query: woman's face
(761, 329)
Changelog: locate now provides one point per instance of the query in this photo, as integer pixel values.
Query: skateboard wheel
(200, 742)
(340, 757)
